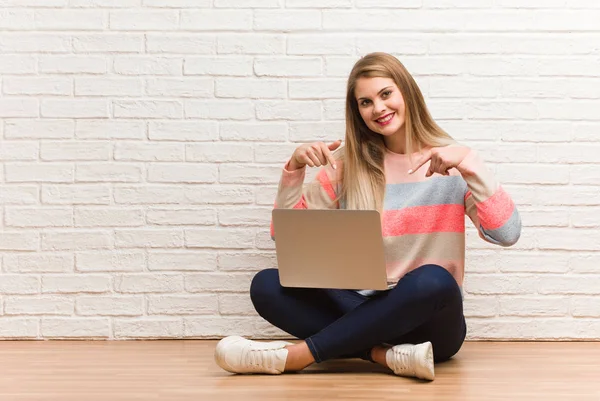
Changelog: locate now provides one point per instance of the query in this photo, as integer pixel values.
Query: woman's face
(381, 105)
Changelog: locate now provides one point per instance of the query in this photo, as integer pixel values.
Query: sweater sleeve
(487, 204)
(320, 193)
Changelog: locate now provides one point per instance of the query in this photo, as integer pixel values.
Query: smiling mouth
(385, 119)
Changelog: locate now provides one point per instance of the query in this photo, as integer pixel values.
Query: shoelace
(403, 360)
(260, 358)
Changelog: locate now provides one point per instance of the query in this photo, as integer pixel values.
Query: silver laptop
(330, 249)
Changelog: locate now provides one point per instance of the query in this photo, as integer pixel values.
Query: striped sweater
(423, 217)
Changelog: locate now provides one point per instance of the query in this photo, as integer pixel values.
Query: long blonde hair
(363, 185)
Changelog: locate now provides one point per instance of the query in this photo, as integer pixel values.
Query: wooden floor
(184, 370)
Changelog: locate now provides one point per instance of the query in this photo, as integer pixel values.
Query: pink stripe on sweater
(495, 211)
(325, 183)
(424, 220)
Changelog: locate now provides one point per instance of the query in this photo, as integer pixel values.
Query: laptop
(330, 249)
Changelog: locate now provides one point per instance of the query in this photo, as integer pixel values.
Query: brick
(18, 151)
(533, 306)
(149, 238)
(183, 172)
(105, 217)
(16, 107)
(66, 151)
(218, 66)
(219, 109)
(45, 217)
(275, 153)
(137, 151)
(37, 86)
(107, 42)
(260, 217)
(70, 19)
(251, 131)
(219, 152)
(17, 328)
(182, 304)
(219, 238)
(113, 172)
(218, 326)
(247, 3)
(35, 42)
(287, 20)
(148, 283)
(169, 42)
(148, 65)
(75, 328)
(148, 328)
(149, 194)
(247, 174)
(19, 284)
(110, 261)
(78, 194)
(19, 195)
(185, 131)
(166, 217)
(251, 43)
(147, 109)
(585, 306)
(316, 88)
(222, 194)
(54, 64)
(236, 304)
(39, 263)
(17, 64)
(122, 87)
(481, 306)
(182, 261)
(65, 284)
(321, 44)
(80, 108)
(288, 110)
(39, 129)
(76, 240)
(316, 131)
(144, 20)
(288, 66)
(38, 305)
(216, 20)
(55, 172)
(109, 306)
(246, 260)
(250, 89)
(219, 282)
(180, 87)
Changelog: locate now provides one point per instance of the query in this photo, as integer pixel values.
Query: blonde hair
(363, 185)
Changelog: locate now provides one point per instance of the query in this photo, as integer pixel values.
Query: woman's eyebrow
(387, 87)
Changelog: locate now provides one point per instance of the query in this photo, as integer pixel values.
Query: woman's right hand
(314, 154)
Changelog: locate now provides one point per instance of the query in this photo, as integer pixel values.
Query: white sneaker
(411, 360)
(238, 355)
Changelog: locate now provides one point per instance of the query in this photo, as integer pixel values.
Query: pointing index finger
(329, 156)
(423, 160)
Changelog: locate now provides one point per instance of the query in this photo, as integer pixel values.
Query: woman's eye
(364, 102)
(387, 93)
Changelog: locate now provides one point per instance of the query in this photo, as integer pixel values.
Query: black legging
(425, 305)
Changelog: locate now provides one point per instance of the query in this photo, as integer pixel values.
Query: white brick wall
(142, 141)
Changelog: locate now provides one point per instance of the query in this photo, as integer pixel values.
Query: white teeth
(386, 119)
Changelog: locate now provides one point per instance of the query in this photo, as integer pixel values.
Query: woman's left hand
(442, 158)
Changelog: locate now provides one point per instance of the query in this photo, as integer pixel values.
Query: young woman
(399, 161)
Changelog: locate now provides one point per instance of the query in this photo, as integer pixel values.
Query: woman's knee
(434, 280)
(263, 284)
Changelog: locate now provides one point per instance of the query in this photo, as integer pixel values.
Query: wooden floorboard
(185, 370)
